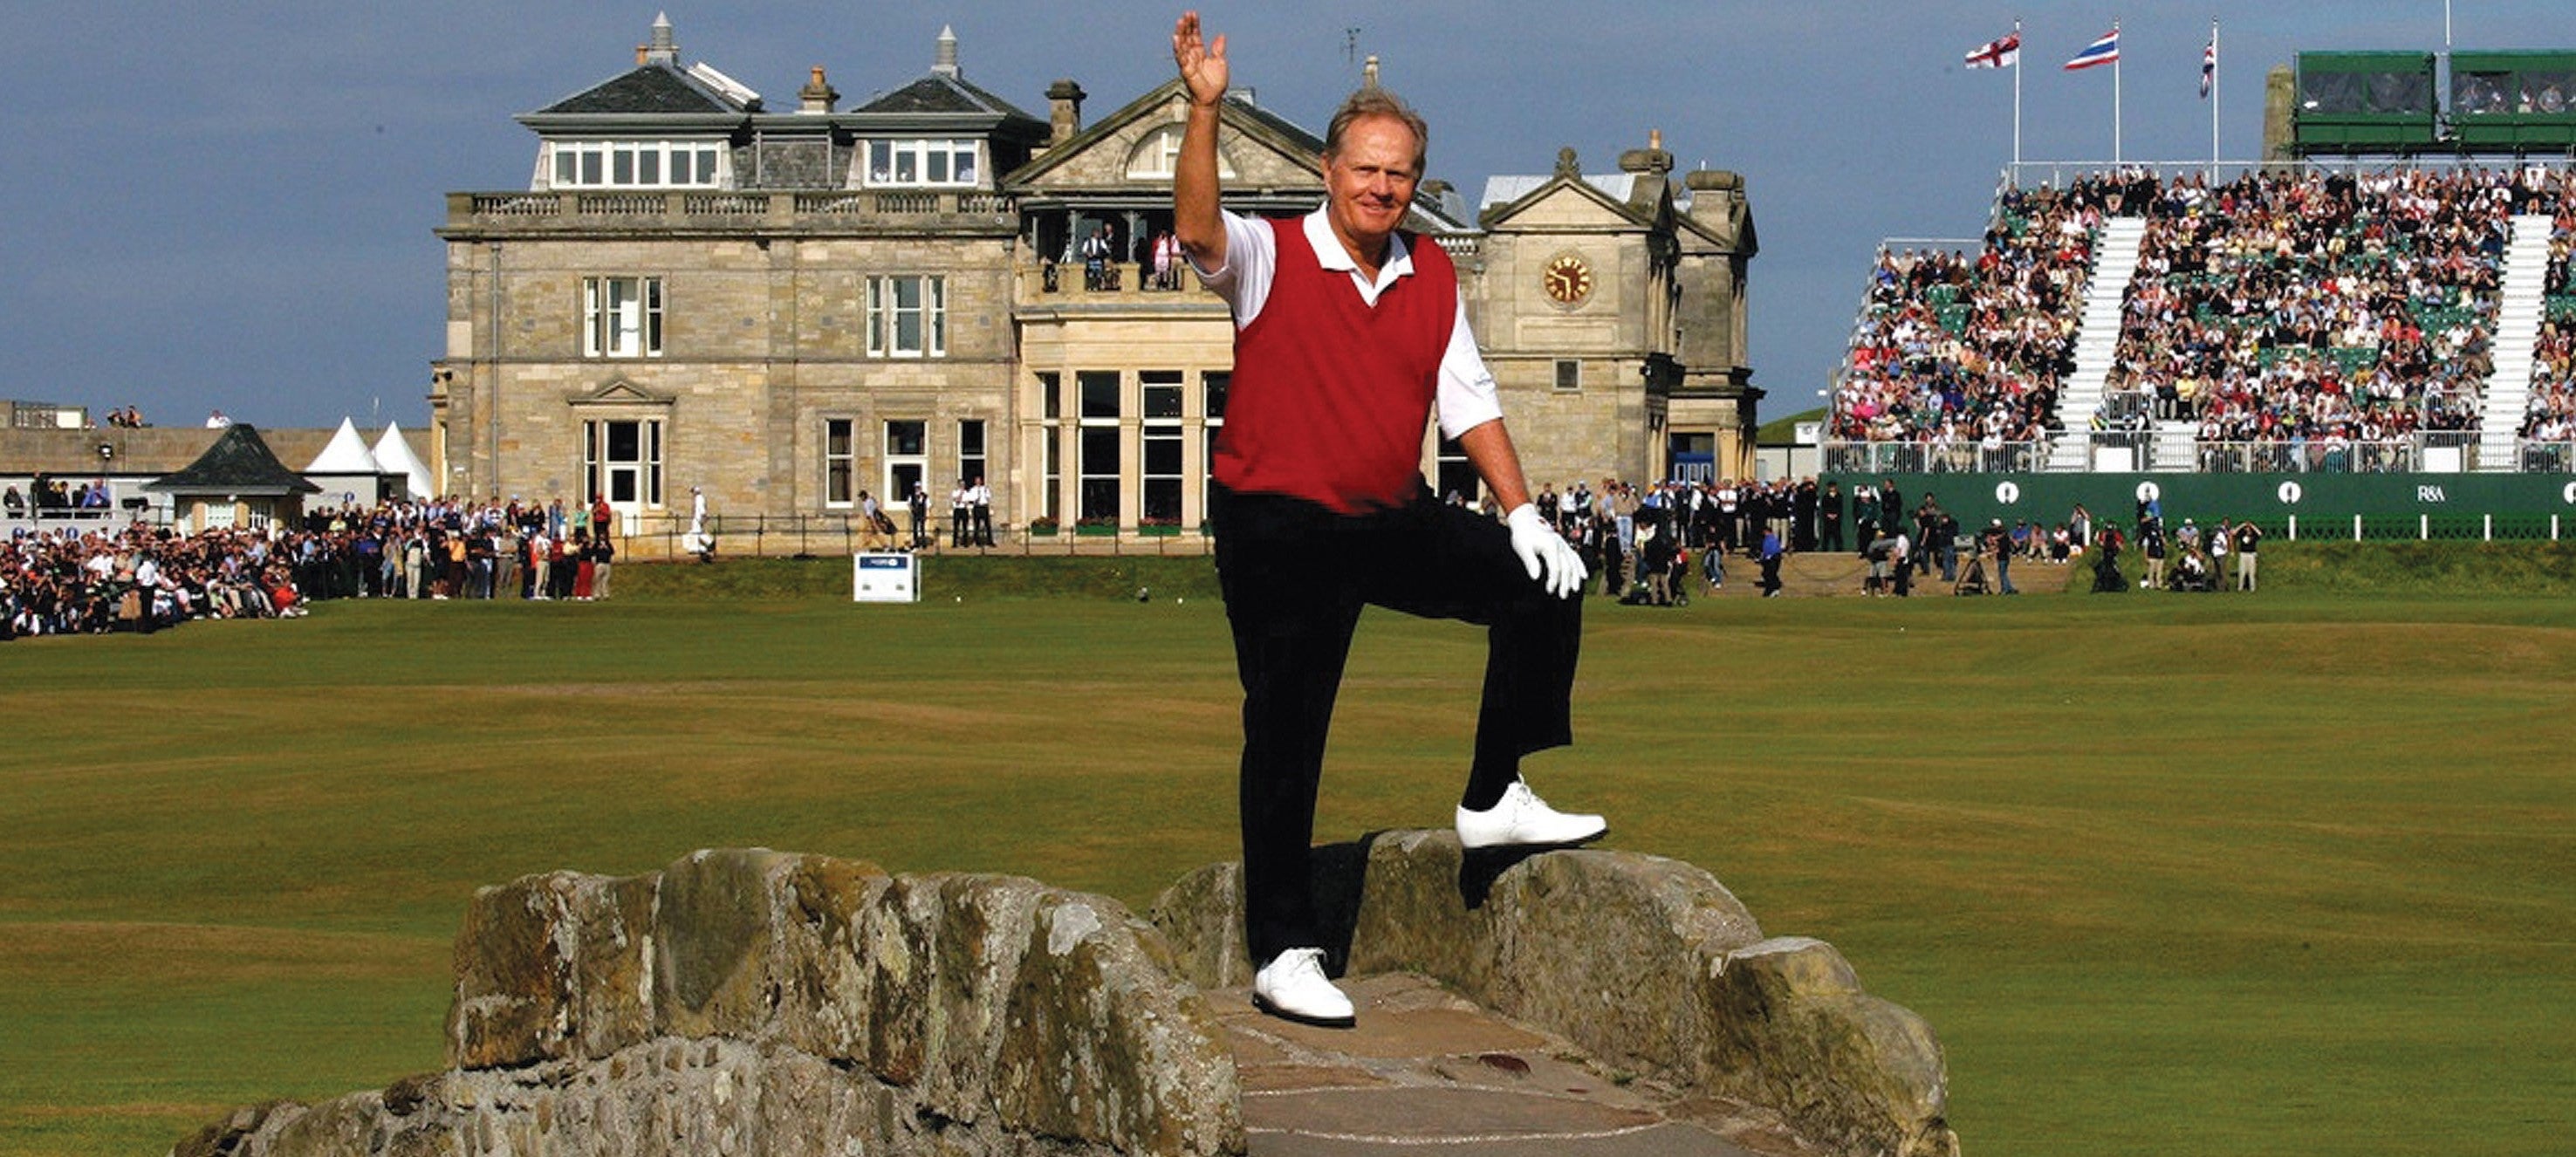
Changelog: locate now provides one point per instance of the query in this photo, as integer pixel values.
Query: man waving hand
(1349, 335)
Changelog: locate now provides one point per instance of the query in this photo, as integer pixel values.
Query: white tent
(394, 456)
(347, 454)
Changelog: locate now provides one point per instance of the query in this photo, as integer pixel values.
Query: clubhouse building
(790, 307)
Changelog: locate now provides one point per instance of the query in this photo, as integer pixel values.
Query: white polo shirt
(1467, 398)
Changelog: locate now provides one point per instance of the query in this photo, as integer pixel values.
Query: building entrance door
(625, 467)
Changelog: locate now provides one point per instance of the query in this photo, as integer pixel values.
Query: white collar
(1330, 254)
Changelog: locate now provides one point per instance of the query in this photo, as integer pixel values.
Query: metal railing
(2429, 451)
(1847, 457)
(662, 536)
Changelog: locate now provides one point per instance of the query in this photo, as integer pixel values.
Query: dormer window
(919, 163)
(637, 164)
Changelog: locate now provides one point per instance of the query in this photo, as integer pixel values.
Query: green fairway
(2206, 875)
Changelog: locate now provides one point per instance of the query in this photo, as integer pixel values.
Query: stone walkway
(1426, 1071)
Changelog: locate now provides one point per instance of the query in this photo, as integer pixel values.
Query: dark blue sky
(229, 205)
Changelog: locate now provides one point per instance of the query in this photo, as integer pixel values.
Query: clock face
(1567, 279)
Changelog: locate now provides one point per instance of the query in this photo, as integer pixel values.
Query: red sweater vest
(1330, 395)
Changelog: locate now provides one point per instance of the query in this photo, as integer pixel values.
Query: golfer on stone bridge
(1347, 334)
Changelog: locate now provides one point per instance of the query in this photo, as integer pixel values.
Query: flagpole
(2115, 98)
(2213, 98)
(2016, 99)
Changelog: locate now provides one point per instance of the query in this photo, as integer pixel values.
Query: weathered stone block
(552, 966)
(1087, 1050)
(715, 943)
(1610, 945)
(1201, 918)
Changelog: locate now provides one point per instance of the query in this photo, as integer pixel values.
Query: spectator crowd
(2328, 315)
(1958, 351)
(144, 578)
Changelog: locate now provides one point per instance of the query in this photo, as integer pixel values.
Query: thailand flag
(2209, 66)
(2103, 51)
(2003, 53)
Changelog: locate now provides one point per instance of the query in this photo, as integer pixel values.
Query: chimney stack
(1064, 111)
(818, 95)
(1651, 159)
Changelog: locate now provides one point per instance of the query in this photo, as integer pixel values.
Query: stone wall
(749, 1001)
(757, 1002)
(1650, 964)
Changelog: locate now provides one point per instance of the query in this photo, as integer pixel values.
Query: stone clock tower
(1611, 311)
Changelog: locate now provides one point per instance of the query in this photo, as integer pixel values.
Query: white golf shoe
(1522, 820)
(1293, 987)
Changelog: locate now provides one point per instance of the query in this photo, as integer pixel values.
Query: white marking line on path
(1482, 1139)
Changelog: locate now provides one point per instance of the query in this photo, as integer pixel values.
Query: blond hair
(1377, 102)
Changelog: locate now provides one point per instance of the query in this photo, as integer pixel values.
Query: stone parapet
(754, 1001)
(750, 1001)
(1649, 964)
(901, 213)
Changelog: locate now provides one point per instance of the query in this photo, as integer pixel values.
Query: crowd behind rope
(144, 578)
(2315, 309)
(1654, 544)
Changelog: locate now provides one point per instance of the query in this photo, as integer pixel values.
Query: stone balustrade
(910, 209)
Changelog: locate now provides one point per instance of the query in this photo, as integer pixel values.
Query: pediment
(618, 391)
(1563, 204)
(1256, 150)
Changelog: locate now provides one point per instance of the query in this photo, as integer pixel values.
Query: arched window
(1156, 155)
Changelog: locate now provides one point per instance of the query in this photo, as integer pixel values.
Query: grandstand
(2291, 318)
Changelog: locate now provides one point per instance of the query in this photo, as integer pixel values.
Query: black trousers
(1295, 577)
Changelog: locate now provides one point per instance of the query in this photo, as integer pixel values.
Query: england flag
(2103, 51)
(2004, 53)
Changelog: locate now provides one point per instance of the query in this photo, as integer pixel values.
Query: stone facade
(745, 353)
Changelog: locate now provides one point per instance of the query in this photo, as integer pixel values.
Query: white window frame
(1089, 470)
(910, 162)
(974, 451)
(631, 164)
(928, 312)
(1164, 431)
(621, 317)
(1212, 383)
(599, 469)
(1051, 439)
(840, 466)
(918, 460)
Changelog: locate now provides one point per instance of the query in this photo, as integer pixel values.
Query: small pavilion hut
(236, 482)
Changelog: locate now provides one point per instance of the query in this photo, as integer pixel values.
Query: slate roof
(939, 93)
(238, 463)
(651, 89)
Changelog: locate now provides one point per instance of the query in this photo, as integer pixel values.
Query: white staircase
(2097, 340)
(2517, 332)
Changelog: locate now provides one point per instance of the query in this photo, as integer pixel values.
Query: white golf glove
(1549, 558)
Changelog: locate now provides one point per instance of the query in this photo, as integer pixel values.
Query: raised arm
(1195, 220)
